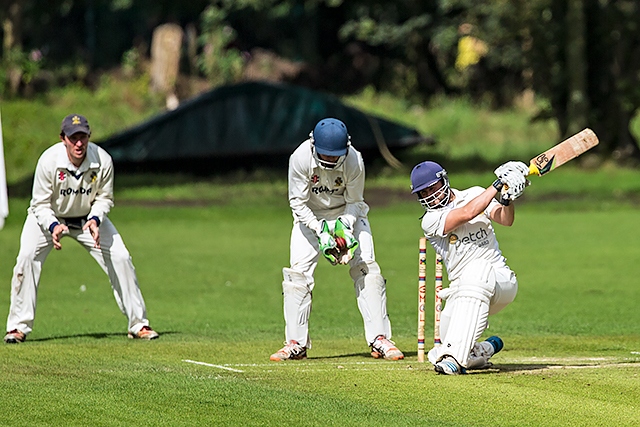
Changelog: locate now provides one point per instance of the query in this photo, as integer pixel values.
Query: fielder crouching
(72, 194)
(458, 224)
(326, 187)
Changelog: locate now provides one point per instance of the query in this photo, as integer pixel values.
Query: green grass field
(209, 254)
(211, 278)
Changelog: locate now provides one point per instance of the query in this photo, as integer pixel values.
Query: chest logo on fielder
(315, 179)
(61, 176)
(337, 182)
(453, 238)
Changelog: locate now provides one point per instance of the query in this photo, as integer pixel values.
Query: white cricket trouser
(459, 318)
(364, 270)
(113, 257)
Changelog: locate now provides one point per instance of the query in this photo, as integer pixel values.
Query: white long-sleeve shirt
(472, 240)
(62, 190)
(316, 193)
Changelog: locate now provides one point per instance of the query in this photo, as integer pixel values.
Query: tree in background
(591, 76)
(581, 58)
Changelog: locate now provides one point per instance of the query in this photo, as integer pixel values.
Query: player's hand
(519, 167)
(94, 229)
(514, 185)
(327, 243)
(343, 230)
(57, 233)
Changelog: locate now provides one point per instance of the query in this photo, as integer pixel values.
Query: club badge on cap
(75, 123)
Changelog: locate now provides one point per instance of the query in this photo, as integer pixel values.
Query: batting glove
(327, 243)
(519, 167)
(514, 185)
(343, 230)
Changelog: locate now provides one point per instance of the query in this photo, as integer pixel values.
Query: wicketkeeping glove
(327, 243)
(343, 230)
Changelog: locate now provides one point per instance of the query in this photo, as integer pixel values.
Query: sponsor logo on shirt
(75, 191)
(479, 238)
(315, 179)
(323, 189)
(61, 175)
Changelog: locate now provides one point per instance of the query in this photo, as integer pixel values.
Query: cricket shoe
(384, 348)
(496, 342)
(146, 333)
(291, 351)
(449, 366)
(14, 337)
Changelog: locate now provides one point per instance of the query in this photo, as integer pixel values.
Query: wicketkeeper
(458, 224)
(326, 186)
(72, 195)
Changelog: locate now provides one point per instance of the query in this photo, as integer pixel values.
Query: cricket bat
(560, 154)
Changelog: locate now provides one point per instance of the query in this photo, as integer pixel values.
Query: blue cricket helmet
(423, 176)
(331, 138)
(426, 174)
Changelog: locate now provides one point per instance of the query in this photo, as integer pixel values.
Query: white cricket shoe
(291, 351)
(145, 333)
(14, 337)
(384, 348)
(449, 366)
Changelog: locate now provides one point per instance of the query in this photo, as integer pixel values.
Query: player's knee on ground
(468, 310)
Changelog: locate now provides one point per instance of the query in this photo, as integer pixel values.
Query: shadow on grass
(95, 335)
(341, 356)
(494, 369)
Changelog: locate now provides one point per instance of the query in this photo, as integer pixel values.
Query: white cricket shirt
(62, 190)
(475, 239)
(317, 193)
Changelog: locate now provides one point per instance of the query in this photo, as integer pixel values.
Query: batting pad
(297, 293)
(371, 294)
(468, 310)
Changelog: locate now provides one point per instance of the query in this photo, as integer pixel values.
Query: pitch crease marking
(212, 366)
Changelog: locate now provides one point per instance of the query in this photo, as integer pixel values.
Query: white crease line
(212, 366)
(609, 365)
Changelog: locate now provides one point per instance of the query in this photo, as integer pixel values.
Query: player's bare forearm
(466, 213)
(503, 215)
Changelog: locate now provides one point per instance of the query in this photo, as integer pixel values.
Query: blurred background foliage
(546, 68)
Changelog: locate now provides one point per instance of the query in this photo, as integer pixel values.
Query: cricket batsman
(458, 224)
(326, 186)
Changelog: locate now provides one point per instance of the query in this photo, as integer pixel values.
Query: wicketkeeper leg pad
(371, 295)
(297, 292)
(467, 311)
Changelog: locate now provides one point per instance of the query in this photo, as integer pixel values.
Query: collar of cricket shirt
(91, 160)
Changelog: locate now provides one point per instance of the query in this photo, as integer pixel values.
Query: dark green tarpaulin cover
(248, 119)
